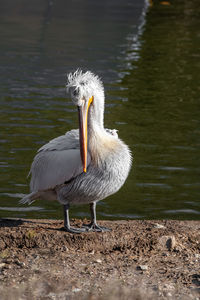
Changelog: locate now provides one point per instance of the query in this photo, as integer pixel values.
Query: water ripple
(182, 211)
(154, 184)
(19, 209)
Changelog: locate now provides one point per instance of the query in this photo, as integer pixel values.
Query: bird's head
(87, 93)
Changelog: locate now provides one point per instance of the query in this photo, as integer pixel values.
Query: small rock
(168, 242)
(20, 264)
(142, 267)
(159, 226)
(98, 260)
(76, 290)
(41, 288)
(65, 248)
(169, 286)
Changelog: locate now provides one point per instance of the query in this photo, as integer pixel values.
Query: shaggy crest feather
(80, 79)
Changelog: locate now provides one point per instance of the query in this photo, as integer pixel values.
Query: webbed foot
(74, 230)
(96, 228)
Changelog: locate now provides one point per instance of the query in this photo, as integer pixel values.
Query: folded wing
(56, 162)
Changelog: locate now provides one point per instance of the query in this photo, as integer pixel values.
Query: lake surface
(149, 59)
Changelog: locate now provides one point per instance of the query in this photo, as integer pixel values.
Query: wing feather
(56, 162)
(68, 141)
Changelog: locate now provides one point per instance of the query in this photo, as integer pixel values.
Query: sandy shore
(136, 260)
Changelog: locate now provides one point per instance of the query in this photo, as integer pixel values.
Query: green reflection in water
(161, 118)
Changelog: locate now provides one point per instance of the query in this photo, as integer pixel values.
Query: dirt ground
(136, 260)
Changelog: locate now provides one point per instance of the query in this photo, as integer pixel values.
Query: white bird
(83, 166)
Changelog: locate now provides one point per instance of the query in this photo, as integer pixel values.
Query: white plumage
(85, 165)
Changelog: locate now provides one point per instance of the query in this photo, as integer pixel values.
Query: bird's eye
(75, 92)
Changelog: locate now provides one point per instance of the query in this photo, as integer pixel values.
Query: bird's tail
(30, 198)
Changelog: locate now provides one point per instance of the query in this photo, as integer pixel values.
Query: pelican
(84, 165)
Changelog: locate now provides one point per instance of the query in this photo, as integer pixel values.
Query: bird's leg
(67, 223)
(93, 225)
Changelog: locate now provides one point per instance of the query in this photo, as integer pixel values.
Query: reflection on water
(149, 63)
(21, 209)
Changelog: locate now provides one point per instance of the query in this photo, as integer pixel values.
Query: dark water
(149, 60)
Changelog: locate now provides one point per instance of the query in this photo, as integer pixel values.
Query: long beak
(83, 124)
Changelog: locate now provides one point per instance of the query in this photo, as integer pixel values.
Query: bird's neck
(96, 112)
(95, 125)
(100, 143)
(95, 130)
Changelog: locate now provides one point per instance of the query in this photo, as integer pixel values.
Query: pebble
(20, 264)
(76, 290)
(168, 242)
(142, 267)
(98, 260)
(65, 248)
(159, 226)
(169, 286)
